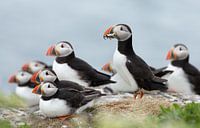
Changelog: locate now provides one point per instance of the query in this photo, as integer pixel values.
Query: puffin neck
(125, 47)
(56, 80)
(180, 63)
(65, 59)
(27, 84)
(50, 97)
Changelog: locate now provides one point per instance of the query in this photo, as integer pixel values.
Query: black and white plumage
(129, 66)
(35, 66)
(48, 75)
(185, 77)
(24, 87)
(68, 67)
(56, 102)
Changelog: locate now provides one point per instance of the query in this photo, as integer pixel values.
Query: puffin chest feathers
(65, 72)
(26, 94)
(119, 61)
(178, 80)
(55, 107)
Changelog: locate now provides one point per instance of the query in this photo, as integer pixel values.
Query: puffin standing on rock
(128, 65)
(68, 67)
(62, 102)
(185, 77)
(34, 66)
(25, 87)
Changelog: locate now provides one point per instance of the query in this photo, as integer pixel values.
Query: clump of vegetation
(11, 100)
(5, 124)
(187, 116)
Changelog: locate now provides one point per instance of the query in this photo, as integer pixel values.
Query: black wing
(193, 76)
(71, 96)
(78, 98)
(140, 70)
(88, 73)
(69, 84)
(161, 72)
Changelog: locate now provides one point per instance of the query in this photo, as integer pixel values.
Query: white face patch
(122, 33)
(35, 66)
(23, 77)
(49, 89)
(63, 49)
(47, 75)
(181, 52)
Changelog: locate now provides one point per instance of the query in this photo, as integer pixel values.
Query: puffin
(132, 68)
(48, 75)
(185, 77)
(62, 103)
(35, 66)
(24, 88)
(71, 68)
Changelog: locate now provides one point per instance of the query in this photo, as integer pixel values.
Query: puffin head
(45, 89)
(178, 52)
(121, 32)
(33, 66)
(61, 49)
(21, 77)
(43, 76)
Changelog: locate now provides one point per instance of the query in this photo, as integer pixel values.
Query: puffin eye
(36, 65)
(49, 86)
(22, 74)
(62, 46)
(180, 49)
(121, 28)
(47, 73)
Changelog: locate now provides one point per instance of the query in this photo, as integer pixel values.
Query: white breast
(65, 72)
(26, 94)
(120, 85)
(54, 107)
(119, 63)
(178, 80)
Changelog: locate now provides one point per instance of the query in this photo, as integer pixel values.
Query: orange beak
(107, 67)
(107, 32)
(12, 79)
(35, 90)
(35, 78)
(25, 67)
(51, 51)
(171, 55)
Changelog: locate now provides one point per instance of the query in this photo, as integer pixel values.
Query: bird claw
(140, 93)
(66, 117)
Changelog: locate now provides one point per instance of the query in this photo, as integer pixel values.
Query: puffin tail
(158, 80)
(156, 86)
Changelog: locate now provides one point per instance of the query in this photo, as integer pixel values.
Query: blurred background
(28, 27)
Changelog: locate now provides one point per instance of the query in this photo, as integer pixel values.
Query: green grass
(5, 124)
(176, 116)
(11, 100)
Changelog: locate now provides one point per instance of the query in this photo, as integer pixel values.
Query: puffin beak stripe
(34, 77)
(36, 89)
(108, 31)
(171, 55)
(41, 79)
(25, 67)
(12, 79)
(51, 51)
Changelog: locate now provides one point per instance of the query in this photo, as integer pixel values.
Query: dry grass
(139, 107)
